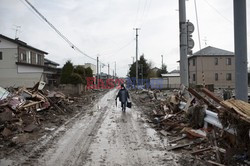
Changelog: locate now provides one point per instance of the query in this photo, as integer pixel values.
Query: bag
(129, 104)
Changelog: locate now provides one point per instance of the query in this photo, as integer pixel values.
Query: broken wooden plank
(165, 133)
(179, 146)
(214, 163)
(241, 107)
(200, 151)
(212, 95)
(178, 139)
(198, 96)
(216, 145)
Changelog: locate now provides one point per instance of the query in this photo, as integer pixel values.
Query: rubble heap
(19, 108)
(200, 122)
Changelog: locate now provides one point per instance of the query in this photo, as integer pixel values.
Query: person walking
(123, 97)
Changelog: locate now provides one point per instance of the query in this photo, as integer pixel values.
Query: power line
(58, 32)
(218, 12)
(138, 8)
(121, 48)
(145, 14)
(197, 21)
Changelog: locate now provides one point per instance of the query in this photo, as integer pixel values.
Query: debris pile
(200, 122)
(20, 109)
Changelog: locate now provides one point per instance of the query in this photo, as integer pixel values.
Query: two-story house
(51, 72)
(20, 63)
(217, 66)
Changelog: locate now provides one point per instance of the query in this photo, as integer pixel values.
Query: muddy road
(103, 136)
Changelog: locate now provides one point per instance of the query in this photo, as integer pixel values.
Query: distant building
(217, 65)
(171, 80)
(51, 72)
(20, 63)
(92, 66)
(154, 72)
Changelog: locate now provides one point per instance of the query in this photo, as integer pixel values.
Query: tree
(83, 72)
(67, 70)
(89, 72)
(163, 70)
(76, 78)
(145, 68)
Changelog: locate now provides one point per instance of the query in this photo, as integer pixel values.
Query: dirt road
(106, 136)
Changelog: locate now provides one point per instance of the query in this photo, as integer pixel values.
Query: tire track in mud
(72, 147)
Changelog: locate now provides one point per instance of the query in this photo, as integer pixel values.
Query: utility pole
(97, 70)
(113, 74)
(136, 59)
(115, 69)
(142, 73)
(108, 70)
(240, 46)
(162, 62)
(183, 43)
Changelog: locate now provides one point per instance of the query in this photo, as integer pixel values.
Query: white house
(20, 63)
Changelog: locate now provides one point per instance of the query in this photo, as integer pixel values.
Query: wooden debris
(214, 163)
(179, 146)
(178, 139)
(200, 151)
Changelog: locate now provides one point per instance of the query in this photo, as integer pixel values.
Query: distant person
(123, 97)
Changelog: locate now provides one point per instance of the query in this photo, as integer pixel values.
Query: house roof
(212, 51)
(175, 71)
(47, 61)
(171, 75)
(21, 43)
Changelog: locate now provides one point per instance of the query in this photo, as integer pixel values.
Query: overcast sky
(105, 28)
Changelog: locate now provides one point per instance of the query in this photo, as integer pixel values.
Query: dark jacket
(123, 95)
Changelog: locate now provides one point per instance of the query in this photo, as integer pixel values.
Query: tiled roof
(21, 43)
(210, 51)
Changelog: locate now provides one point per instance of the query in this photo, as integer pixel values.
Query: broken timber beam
(198, 96)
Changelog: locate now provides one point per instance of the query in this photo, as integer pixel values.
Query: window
(36, 58)
(28, 56)
(194, 77)
(229, 61)
(39, 60)
(193, 62)
(1, 56)
(229, 77)
(216, 61)
(216, 77)
(23, 57)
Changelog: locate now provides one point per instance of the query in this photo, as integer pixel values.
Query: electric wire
(218, 12)
(35, 12)
(58, 32)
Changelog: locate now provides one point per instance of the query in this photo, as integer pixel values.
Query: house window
(216, 77)
(229, 77)
(216, 61)
(229, 61)
(36, 58)
(1, 56)
(39, 59)
(28, 56)
(23, 57)
(194, 77)
(193, 62)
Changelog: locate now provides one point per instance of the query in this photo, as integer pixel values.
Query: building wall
(210, 69)
(10, 73)
(92, 66)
